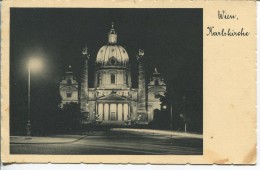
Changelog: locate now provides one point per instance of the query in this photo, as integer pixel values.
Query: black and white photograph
(106, 81)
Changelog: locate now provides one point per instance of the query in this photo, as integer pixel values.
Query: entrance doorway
(113, 110)
(113, 115)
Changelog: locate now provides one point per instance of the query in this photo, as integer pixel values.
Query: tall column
(141, 105)
(84, 82)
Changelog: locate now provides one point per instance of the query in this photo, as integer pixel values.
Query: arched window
(113, 78)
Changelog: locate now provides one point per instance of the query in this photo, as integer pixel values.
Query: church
(111, 99)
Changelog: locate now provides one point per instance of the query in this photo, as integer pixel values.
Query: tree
(45, 100)
(71, 117)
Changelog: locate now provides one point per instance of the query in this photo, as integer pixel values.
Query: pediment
(113, 96)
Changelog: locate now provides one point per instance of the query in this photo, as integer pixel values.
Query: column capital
(85, 53)
(140, 56)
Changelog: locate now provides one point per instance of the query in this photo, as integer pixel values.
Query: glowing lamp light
(35, 64)
(164, 107)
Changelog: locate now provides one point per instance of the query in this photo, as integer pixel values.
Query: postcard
(129, 82)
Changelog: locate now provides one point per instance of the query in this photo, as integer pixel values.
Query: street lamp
(183, 117)
(34, 64)
(164, 107)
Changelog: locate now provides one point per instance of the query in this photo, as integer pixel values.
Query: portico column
(123, 111)
(129, 111)
(109, 111)
(117, 111)
(97, 109)
(103, 111)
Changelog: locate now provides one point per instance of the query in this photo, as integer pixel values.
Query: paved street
(109, 142)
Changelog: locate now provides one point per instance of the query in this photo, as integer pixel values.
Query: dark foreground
(109, 142)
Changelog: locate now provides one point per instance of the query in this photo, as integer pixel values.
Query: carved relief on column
(84, 81)
(141, 96)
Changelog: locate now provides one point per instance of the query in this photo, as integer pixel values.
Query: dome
(112, 53)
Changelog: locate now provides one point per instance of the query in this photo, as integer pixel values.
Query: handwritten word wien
(226, 32)
(224, 15)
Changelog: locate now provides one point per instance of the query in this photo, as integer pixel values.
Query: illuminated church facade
(112, 100)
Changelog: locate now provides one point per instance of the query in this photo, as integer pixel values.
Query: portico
(113, 108)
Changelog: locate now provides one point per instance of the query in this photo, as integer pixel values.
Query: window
(157, 96)
(99, 79)
(69, 95)
(113, 79)
(69, 81)
(112, 61)
(156, 82)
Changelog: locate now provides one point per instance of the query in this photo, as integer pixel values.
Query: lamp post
(164, 108)
(184, 119)
(34, 64)
(171, 117)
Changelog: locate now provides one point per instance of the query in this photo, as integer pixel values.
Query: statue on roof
(155, 70)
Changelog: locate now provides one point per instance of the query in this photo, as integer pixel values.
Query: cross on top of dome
(112, 30)
(112, 25)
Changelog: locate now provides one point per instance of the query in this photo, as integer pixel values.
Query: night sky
(171, 38)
